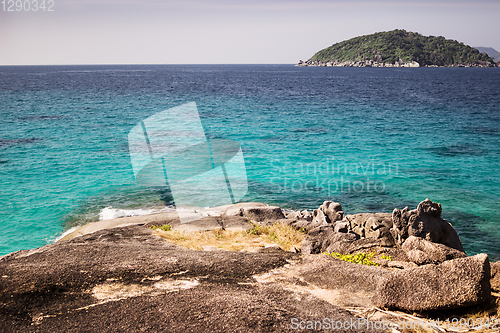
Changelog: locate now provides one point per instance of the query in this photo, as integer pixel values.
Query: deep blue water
(373, 139)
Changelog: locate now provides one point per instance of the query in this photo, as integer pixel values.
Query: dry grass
(285, 236)
(427, 322)
(481, 314)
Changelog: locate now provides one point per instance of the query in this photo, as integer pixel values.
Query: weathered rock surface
(223, 216)
(324, 239)
(308, 221)
(331, 231)
(424, 222)
(495, 276)
(319, 218)
(336, 274)
(267, 214)
(421, 251)
(328, 212)
(333, 210)
(305, 215)
(375, 225)
(127, 279)
(452, 284)
(420, 236)
(386, 230)
(303, 225)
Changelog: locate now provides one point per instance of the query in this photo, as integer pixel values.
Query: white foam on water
(110, 213)
(67, 232)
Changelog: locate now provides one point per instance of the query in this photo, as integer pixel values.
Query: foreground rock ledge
(128, 280)
(452, 284)
(125, 278)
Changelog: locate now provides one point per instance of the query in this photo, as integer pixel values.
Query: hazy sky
(224, 31)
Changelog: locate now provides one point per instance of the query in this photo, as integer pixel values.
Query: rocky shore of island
(366, 63)
(372, 63)
(124, 275)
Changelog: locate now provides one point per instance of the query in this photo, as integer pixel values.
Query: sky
(222, 31)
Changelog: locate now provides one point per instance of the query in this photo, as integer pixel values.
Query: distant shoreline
(370, 63)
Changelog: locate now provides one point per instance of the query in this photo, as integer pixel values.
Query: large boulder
(303, 225)
(333, 210)
(452, 284)
(300, 215)
(421, 251)
(319, 217)
(306, 221)
(354, 284)
(372, 225)
(267, 214)
(328, 212)
(424, 222)
(324, 238)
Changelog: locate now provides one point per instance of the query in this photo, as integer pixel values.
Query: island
(399, 48)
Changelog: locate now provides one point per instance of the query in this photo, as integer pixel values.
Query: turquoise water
(373, 139)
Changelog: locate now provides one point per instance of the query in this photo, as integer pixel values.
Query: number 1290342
(28, 5)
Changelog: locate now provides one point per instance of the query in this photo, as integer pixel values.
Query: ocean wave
(109, 213)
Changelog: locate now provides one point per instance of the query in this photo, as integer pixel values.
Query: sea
(372, 139)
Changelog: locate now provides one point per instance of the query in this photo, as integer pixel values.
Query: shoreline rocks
(128, 278)
(419, 236)
(366, 63)
(422, 252)
(424, 222)
(452, 284)
(371, 63)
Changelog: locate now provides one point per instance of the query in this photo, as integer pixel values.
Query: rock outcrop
(424, 222)
(332, 210)
(372, 225)
(324, 239)
(344, 278)
(262, 214)
(452, 284)
(126, 278)
(329, 212)
(419, 236)
(421, 251)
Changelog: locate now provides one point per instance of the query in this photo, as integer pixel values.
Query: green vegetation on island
(399, 47)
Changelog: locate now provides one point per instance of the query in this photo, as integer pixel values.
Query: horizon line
(144, 64)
